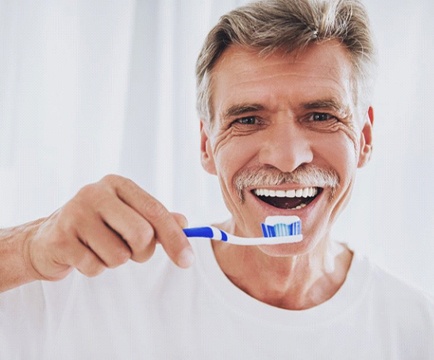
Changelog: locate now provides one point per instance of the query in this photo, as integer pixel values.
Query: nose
(286, 147)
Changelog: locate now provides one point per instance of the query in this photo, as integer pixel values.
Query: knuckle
(115, 181)
(90, 266)
(120, 257)
(155, 210)
(145, 254)
(146, 233)
(87, 192)
(91, 198)
(110, 179)
(139, 237)
(181, 219)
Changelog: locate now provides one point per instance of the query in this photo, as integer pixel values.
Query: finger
(104, 242)
(134, 230)
(166, 229)
(81, 257)
(89, 264)
(180, 219)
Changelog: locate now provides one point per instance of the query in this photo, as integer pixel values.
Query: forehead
(279, 80)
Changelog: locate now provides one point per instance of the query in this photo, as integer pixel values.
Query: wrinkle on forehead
(240, 66)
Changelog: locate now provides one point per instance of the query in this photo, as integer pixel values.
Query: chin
(286, 250)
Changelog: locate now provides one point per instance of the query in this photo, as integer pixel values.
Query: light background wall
(105, 86)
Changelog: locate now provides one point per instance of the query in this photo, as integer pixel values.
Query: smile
(294, 199)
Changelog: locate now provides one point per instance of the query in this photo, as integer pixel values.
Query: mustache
(264, 176)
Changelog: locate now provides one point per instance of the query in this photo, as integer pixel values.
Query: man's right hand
(103, 226)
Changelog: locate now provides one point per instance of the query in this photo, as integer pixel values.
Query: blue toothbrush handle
(204, 231)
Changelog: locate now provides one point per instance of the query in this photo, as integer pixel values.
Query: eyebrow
(326, 104)
(241, 109)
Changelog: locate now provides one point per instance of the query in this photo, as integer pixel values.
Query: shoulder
(399, 300)
(397, 288)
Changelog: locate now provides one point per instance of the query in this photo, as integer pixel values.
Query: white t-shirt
(158, 311)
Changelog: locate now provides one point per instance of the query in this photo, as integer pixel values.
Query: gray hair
(291, 25)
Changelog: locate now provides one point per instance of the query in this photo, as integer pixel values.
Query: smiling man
(285, 139)
(284, 94)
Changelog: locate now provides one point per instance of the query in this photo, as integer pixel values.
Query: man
(284, 91)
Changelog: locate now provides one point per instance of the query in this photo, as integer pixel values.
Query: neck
(291, 282)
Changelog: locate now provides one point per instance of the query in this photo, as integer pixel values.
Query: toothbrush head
(275, 226)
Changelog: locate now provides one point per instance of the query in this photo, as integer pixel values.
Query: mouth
(293, 199)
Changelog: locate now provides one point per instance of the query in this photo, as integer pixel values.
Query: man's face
(288, 115)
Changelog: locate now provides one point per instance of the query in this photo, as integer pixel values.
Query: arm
(103, 226)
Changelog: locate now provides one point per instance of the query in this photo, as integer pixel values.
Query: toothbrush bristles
(281, 229)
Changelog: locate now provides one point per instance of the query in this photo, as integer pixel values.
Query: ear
(366, 139)
(206, 154)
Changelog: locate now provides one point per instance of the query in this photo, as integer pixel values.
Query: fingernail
(186, 258)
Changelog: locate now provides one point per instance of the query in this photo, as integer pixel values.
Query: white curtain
(91, 87)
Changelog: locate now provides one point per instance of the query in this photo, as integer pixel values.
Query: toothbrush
(276, 230)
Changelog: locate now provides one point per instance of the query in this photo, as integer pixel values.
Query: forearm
(15, 265)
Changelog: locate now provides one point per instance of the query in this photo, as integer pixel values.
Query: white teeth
(299, 193)
(281, 193)
(290, 193)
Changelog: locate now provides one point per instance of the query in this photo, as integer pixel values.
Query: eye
(321, 117)
(247, 120)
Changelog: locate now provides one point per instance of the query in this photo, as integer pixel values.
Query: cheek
(232, 152)
(221, 143)
(347, 145)
(352, 136)
(340, 152)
